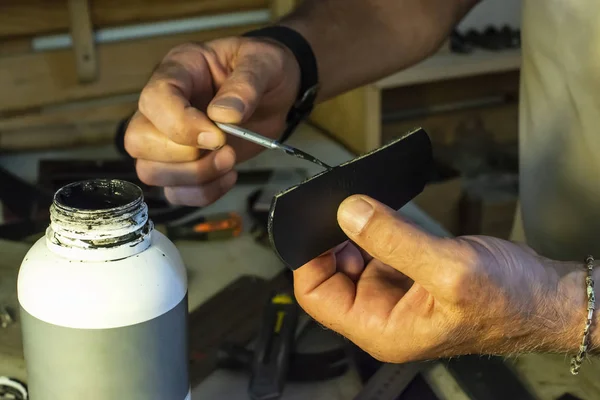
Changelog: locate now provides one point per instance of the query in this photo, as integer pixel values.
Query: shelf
(446, 65)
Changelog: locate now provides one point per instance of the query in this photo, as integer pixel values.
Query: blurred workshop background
(70, 75)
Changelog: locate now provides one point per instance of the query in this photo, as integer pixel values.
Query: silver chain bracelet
(583, 347)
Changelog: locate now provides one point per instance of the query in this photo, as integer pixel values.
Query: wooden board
(91, 123)
(37, 79)
(444, 65)
(37, 17)
(59, 137)
(352, 118)
(11, 47)
(110, 109)
(459, 90)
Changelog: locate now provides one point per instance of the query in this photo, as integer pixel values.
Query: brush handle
(268, 143)
(249, 135)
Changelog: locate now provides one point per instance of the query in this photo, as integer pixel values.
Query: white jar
(103, 301)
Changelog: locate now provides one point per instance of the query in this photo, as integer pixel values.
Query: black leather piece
(303, 219)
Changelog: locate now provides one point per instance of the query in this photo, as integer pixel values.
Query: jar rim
(98, 196)
(99, 218)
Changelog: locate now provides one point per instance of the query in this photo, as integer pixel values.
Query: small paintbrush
(268, 143)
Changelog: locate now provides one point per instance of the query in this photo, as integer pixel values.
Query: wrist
(572, 300)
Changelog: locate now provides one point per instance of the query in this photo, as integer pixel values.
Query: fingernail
(224, 159)
(354, 215)
(232, 103)
(209, 140)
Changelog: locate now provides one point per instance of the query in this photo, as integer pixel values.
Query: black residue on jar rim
(98, 195)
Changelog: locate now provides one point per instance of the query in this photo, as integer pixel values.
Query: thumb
(386, 236)
(241, 92)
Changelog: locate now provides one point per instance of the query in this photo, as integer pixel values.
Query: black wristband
(309, 75)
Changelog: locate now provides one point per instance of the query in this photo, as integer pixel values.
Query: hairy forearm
(360, 41)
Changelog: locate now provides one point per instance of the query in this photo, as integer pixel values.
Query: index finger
(318, 283)
(166, 99)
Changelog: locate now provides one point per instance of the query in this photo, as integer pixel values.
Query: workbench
(214, 265)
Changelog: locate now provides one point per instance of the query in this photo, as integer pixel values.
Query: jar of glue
(103, 300)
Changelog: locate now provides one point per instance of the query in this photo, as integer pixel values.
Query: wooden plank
(465, 89)
(59, 137)
(37, 79)
(352, 118)
(83, 40)
(11, 47)
(69, 114)
(38, 17)
(446, 65)
(92, 124)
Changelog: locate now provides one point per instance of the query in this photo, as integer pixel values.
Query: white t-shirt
(560, 127)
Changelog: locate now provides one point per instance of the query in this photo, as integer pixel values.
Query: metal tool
(390, 381)
(268, 143)
(224, 225)
(302, 367)
(274, 347)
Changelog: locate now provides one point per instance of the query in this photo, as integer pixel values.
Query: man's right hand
(235, 80)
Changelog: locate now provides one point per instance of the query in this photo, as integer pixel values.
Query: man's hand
(404, 295)
(233, 80)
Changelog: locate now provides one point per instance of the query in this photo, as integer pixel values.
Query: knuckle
(133, 144)
(244, 86)
(171, 196)
(205, 197)
(203, 174)
(147, 96)
(461, 285)
(463, 280)
(387, 245)
(184, 48)
(252, 76)
(146, 173)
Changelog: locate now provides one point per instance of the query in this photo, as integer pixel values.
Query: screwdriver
(269, 143)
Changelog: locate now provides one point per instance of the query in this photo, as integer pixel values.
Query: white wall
(493, 12)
